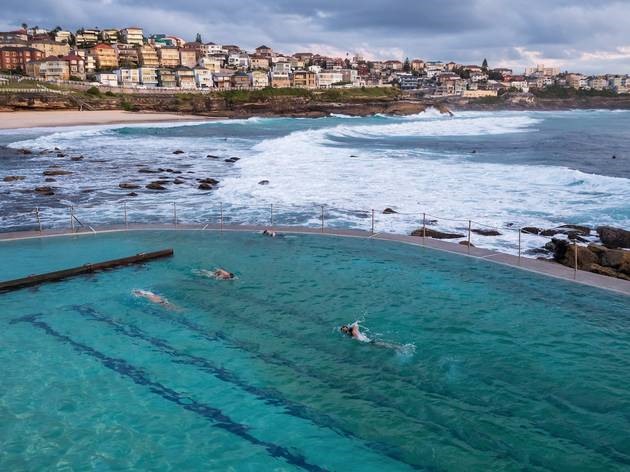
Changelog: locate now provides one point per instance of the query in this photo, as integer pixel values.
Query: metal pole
(519, 245)
(125, 210)
(372, 220)
(72, 218)
(469, 227)
(575, 251)
(175, 213)
(322, 218)
(221, 216)
(424, 228)
(271, 215)
(39, 221)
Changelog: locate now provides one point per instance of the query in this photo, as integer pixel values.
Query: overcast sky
(578, 35)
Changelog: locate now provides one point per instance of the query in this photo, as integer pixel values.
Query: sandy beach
(37, 119)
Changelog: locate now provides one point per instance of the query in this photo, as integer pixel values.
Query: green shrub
(94, 91)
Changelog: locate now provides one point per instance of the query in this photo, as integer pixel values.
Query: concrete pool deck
(542, 267)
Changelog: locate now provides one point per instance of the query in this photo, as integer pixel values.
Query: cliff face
(215, 105)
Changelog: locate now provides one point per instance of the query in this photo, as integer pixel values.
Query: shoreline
(27, 119)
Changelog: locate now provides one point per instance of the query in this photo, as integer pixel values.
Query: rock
(531, 230)
(208, 181)
(614, 237)
(57, 149)
(161, 182)
(597, 269)
(128, 186)
(54, 172)
(228, 160)
(25, 151)
(580, 229)
(76, 158)
(564, 253)
(466, 243)
(205, 187)
(13, 178)
(234, 159)
(50, 179)
(145, 170)
(61, 154)
(432, 233)
(155, 186)
(178, 181)
(132, 194)
(212, 156)
(389, 211)
(87, 190)
(263, 182)
(615, 258)
(486, 232)
(178, 151)
(45, 190)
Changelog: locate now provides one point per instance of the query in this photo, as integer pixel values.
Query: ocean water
(501, 169)
(486, 367)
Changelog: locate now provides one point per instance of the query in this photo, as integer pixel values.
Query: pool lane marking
(136, 375)
(269, 396)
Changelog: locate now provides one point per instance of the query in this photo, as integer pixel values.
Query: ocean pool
(497, 368)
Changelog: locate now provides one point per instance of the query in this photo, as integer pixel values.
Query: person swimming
(153, 298)
(354, 332)
(269, 232)
(222, 274)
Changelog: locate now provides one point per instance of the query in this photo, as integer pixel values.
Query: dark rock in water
(128, 186)
(25, 151)
(176, 171)
(531, 230)
(509, 225)
(614, 237)
(132, 194)
(263, 182)
(435, 234)
(155, 186)
(579, 229)
(353, 155)
(13, 178)
(228, 160)
(54, 172)
(466, 243)
(61, 154)
(614, 157)
(205, 187)
(208, 181)
(212, 156)
(76, 158)
(45, 191)
(87, 190)
(486, 232)
(234, 159)
(474, 151)
(145, 170)
(161, 182)
(57, 149)
(50, 179)
(178, 181)
(178, 151)
(389, 211)
(537, 251)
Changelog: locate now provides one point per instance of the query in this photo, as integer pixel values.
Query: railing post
(520, 230)
(125, 211)
(424, 228)
(469, 231)
(39, 221)
(271, 216)
(372, 220)
(72, 217)
(322, 218)
(175, 214)
(575, 252)
(221, 216)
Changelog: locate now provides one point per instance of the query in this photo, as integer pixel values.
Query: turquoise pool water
(498, 369)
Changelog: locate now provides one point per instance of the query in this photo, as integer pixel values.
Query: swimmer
(153, 298)
(354, 332)
(270, 233)
(222, 274)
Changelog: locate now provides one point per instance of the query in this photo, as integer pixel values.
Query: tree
(407, 65)
(198, 38)
(24, 26)
(484, 66)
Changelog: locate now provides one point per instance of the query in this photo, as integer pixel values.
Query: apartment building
(212, 63)
(328, 78)
(105, 56)
(168, 57)
(259, 62)
(280, 80)
(166, 78)
(51, 48)
(259, 79)
(109, 79)
(304, 79)
(86, 38)
(148, 76)
(185, 78)
(127, 55)
(147, 56)
(109, 36)
(240, 80)
(128, 76)
(16, 58)
(203, 77)
(51, 68)
(132, 35)
(222, 80)
(76, 66)
(62, 36)
(188, 58)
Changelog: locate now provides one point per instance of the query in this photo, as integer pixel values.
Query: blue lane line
(215, 415)
(269, 396)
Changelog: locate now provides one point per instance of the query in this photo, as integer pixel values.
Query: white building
(327, 78)
(128, 77)
(240, 61)
(212, 48)
(203, 77)
(109, 79)
(212, 63)
(259, 79)
(148, 76)
(282, 67)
